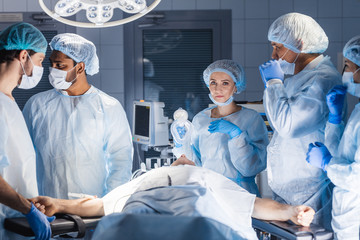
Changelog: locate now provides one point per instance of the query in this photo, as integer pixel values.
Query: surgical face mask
(28, 82)
(288, 68)
(230, 100)
(57, 78)
(352, 87)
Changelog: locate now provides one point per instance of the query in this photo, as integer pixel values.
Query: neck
(223, 111)
(79, 87)
(9, 77)
(303, 60)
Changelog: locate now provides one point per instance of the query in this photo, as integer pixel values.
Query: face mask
(352, 87)
(288, 68)
(57, 78)
(28, 82)
(222, 104)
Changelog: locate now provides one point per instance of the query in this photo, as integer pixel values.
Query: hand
(226, 127)
(182, 161)
(302, 215)
(318, 155)
(271, 70)
(335, 101)
(39, 223)
(48, 203)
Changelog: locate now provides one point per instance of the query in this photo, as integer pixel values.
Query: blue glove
(226, 127)
(318, 155)
(335, 101)
(39, 223)
(271, 70)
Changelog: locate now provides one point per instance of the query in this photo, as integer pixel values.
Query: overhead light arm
(104, 11)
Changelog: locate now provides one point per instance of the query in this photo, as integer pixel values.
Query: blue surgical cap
(231, 68)
(299, 33)
(23, 36)
(77, 48)
(352, 50)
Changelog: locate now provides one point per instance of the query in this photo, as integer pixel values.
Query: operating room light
(98, 12)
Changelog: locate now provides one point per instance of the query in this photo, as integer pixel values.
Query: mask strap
(356, 71)
(296, 57)
(285, 53)
(71, 70)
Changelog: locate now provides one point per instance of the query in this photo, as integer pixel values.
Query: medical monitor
(150, 127)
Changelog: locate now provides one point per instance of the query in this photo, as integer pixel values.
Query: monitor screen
(142, 120)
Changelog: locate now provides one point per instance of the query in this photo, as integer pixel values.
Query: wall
(339, 18)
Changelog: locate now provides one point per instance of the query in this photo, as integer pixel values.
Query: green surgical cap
(22, 36)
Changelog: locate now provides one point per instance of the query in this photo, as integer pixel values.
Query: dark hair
(9, 55)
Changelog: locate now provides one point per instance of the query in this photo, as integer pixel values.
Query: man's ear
(80, 68)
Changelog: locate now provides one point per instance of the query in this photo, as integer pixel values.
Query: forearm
(294, 116)
(267, 209)
(85, 207)
(12, 199)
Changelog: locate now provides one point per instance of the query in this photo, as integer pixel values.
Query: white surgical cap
(299, 33)
(352, 50)
(231, 68)
(77, 48)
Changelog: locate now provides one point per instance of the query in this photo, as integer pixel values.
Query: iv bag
(181, 130)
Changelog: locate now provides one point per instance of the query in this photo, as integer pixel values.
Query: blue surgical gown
(344, 172)
(297, 112)
(17, 158)
(238, 159)
(83, 143)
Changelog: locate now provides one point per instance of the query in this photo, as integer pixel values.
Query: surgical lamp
(98, 12)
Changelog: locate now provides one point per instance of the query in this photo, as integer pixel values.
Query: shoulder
(327, 73)
(107, 99)
(43, 96)
(206, 113)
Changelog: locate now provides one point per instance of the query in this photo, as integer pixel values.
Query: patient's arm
(267, 209)
(84, 207)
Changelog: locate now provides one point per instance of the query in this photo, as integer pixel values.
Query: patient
(184, 191)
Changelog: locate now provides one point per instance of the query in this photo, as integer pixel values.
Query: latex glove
(318, 155)
(39, 223)
(335, 101)
(226, 127)
(271, 70)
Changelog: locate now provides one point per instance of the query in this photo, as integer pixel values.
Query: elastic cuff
(273, 81)
(335, 119)
(235, 133)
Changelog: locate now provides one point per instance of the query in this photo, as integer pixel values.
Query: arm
(118, 147)
(297, 115)
(12, 199)
(248, 150)
(267, 209)
(84, 207)
(344, 175)
(333, 134)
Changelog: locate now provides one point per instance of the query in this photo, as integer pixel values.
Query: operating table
(66, 223)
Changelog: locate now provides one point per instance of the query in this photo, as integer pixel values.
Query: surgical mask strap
(286, 53)
(356, 71)
(71, 70)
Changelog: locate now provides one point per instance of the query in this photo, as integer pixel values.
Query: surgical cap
(299, 33)
(352, 50)
(77, 48)
(231, 68)
(23, 36)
